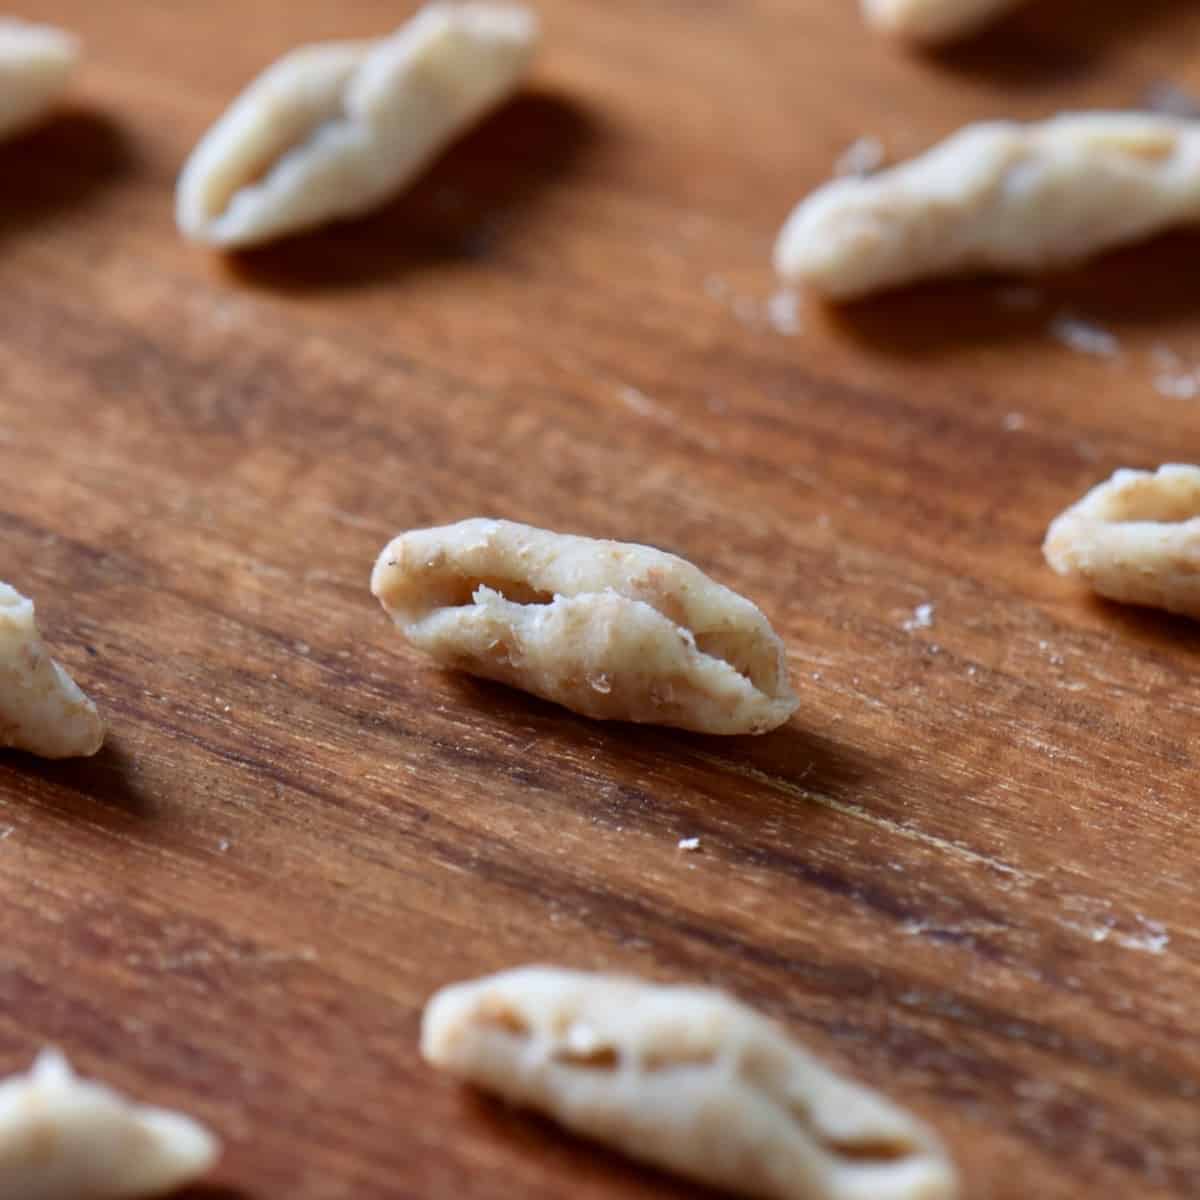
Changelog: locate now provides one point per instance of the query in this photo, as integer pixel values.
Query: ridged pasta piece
(998, 196)
(42, 709)
(1135, 538)
(683, 1078)
(66, 1138)
(333, 130)
(608, 629)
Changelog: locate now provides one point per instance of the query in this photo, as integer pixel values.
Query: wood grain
(964, 872)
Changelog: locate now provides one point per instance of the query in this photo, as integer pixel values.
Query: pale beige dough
(998, 196)
(686, 1079)
(608, 629)
(36, 62)
(934, 20)
(333, 130)
(1135, 538)
(65, 1138)
(41, 708)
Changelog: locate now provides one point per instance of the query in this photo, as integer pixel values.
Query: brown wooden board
(964, 872)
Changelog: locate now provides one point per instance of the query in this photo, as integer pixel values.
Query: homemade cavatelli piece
(41, 708)
(934, 20)
(998, 196)
(333, 130)
(686, 1079)
(65, 1138)
(1135, 538)
(608, 629)
(36, 61)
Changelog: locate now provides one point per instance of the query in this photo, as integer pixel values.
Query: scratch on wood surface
(846, 808)
(638, 402)
(1149, 936)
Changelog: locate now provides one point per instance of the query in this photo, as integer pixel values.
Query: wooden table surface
(964, 871)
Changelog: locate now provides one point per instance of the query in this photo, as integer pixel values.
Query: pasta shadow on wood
(790, 756)
(788, 761)
(98, 788)
(1147, 285)
(1059, 42)
(464, 206)
(59, 165)
(1178, 637)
